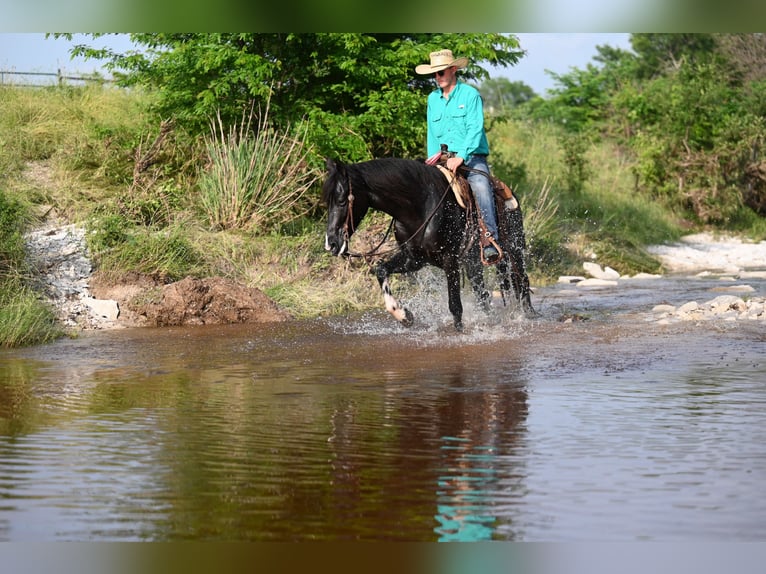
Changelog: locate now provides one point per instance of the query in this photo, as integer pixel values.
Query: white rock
(735, 289)
(104, 308)
(663, 309)
(688, 307)
(610, 273)
(752, 275)
(595, 271)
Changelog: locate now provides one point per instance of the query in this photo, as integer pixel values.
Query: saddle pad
(461, 191)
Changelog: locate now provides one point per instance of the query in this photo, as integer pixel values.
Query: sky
(557, 52)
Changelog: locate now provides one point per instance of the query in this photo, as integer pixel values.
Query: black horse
(430, 227)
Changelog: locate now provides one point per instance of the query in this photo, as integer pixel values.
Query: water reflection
(305, 432)
(481, 431)
(229, 434)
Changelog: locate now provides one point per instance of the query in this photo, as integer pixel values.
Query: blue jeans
(482, 190)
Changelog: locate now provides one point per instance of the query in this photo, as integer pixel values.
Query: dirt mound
(209, 301)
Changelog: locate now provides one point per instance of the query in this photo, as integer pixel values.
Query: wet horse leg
(475, 271)
(404, 263)
(400, 263)
(513, 266)
(452, 270)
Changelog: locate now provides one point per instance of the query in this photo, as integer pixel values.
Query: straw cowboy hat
(441, 60)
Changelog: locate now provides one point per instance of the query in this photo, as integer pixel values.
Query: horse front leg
(452, 270)
(399, 263)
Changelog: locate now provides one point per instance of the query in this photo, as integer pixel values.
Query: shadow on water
(361, 430)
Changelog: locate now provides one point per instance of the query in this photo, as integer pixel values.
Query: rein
(349, 224)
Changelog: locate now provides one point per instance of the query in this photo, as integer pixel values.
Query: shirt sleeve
(432, 146)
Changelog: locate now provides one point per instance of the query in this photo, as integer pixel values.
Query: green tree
(358, 92)
(501, 93)
(660, 53)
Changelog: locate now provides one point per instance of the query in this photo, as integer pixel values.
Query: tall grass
(257, 176)
(24, 318)
(166, 255)
(79, 137)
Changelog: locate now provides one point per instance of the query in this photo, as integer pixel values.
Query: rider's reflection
(480, 432)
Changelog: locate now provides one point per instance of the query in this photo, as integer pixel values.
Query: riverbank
(733, 271)
(82, 301)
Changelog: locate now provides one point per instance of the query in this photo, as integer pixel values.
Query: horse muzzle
(334, 247)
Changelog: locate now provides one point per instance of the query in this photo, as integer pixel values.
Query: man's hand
(453, 163)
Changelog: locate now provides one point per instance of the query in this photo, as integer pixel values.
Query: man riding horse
(455, 117)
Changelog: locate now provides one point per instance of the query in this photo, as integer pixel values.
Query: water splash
(425, 295)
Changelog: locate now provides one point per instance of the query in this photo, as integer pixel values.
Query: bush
(256, 177)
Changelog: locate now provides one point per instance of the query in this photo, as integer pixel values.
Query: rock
(725, 308)
(610, 273)
(688, 307)
(571, 279)
(211, 301)
(106, 308)
(63, 272)
(735, 288)
(752, 275)
(595, 271)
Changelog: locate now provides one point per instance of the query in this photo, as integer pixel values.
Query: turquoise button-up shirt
(458, 121)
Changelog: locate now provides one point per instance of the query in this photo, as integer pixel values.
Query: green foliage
(166, 255)
(359, 91)
(680, 105)
(256, 177)
(24, 319)
(107, 231)
(12, 216)
(574, 146)
(501, 93)
(660, 53)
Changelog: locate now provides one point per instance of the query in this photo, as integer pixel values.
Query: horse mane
(405, 174)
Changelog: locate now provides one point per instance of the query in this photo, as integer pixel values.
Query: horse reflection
(449, 443)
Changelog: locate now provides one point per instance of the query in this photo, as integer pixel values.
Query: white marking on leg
(392, 306)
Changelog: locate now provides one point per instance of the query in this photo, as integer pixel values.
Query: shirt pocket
(438, 124)
(457, 115)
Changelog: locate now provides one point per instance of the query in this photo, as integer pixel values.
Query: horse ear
(333, 165)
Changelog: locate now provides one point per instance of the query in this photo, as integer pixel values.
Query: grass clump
(256, 176)
(24, 318)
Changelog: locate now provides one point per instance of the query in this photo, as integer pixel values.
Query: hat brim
(425, 69)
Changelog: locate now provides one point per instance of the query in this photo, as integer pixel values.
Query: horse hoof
(459, 326)
(530, 313)
(408, 320)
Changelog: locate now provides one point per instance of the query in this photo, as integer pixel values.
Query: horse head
(344, 209)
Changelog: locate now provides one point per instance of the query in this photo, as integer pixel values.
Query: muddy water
(611, 428)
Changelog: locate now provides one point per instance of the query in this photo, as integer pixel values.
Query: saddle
(503, 194)
(504, 198)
